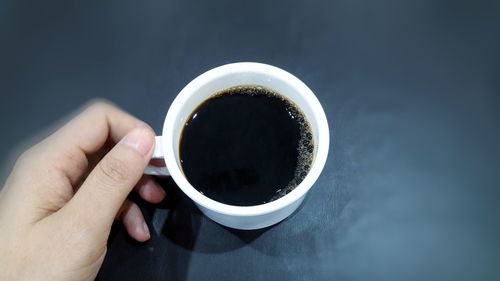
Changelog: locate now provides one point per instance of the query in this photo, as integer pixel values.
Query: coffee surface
(246, 146)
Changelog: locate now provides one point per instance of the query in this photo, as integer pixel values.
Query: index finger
(87, 133)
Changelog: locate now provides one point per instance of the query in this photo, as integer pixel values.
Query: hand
(59, 202)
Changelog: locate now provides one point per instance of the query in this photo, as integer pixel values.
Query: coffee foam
(306, 142)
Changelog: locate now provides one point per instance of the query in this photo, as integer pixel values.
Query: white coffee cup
(199, 90)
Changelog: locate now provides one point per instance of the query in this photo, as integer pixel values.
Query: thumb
(100, 197)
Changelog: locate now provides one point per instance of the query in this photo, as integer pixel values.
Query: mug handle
(157, 154)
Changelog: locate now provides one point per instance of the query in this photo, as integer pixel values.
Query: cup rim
(234, 68)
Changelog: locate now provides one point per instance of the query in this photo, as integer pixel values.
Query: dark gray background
(411, 90)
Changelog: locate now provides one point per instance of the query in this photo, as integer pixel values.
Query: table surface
(411, 90)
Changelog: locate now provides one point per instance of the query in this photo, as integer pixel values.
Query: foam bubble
(305, 144)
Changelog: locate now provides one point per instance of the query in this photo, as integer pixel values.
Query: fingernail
(146, 229)
(139, 139)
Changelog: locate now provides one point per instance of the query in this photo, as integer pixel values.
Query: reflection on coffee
(245, 146)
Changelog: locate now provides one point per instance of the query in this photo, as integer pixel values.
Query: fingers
(101, 195)
(133, 220)
(100, 121)
(67, 149)
(150, 190)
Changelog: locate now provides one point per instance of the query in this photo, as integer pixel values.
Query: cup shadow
(187, 227)
(178, 231)
(182, 222)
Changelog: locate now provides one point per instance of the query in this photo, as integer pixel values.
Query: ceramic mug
(213, 81)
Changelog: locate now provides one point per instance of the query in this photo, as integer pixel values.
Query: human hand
(59, 202)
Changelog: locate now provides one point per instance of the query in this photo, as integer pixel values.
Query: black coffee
(245, 146)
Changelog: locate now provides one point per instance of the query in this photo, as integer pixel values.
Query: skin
(63, 194)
